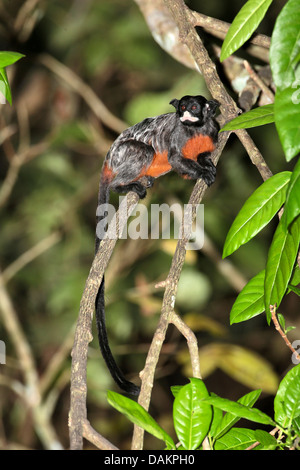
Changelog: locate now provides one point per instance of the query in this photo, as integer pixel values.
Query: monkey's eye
(183, 107)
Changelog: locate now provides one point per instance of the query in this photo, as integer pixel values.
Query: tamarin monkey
(180, 141)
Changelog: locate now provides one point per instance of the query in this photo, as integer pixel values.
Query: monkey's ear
(212, 106)
(175, 103)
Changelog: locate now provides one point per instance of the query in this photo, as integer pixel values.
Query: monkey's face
(194, 110)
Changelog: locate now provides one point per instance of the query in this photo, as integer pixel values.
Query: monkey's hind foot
(135, 187)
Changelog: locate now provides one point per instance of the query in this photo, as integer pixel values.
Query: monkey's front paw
(141, 192)
(209, 179)
(208, 171)
(209, 174)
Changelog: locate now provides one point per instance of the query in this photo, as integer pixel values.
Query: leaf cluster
(199, 416)
(284, 61)
(282, 190)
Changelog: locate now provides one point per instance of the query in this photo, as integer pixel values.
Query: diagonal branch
(229, 109)
(32, 395)
(165, 32)
(171, 283)
(85, 91)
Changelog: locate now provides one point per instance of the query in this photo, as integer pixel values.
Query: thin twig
(83, 333)
(220, 28)
(191, 342)
(56, 361)
(232, 275)
(255, 444)
(7, 132)
(30, 255)
(23, 13)
(83, 90)
(32, 394)
(16, 163)
(95, 438)
(254, 154)
(21, 345)
(256, 78)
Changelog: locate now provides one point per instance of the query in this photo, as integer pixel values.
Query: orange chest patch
(159, 165)
(196, 145)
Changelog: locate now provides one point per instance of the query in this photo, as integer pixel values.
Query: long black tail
(115, 372)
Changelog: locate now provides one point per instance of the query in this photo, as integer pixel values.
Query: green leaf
(295, 279)
(296, 425)
(138, 415)
(9, 58)
(250, 301)
(285, 45)
(280, 263)
(292, 203)
(296, 290)
(175, 389)
(287, 119)
(287, 400)
(281, 321)
(192, 417)
(296, 60)
(257, 211)
(266, 439)
(6, 58)
(216, 421)
(256, 117)
(244, 25)
(236, 439)
(229, 419)
(242, 411)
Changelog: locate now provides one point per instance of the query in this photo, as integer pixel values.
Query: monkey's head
(194, 110)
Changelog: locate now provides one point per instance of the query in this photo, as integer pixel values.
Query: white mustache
(187, 116)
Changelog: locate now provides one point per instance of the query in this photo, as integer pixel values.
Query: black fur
(130, 158)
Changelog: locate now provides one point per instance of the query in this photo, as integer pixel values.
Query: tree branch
(220, 28)
(83, 333)
(95, 438)
(165, 32)
(171, 283)
(32, 395)
(83, 90)
(282, 333)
